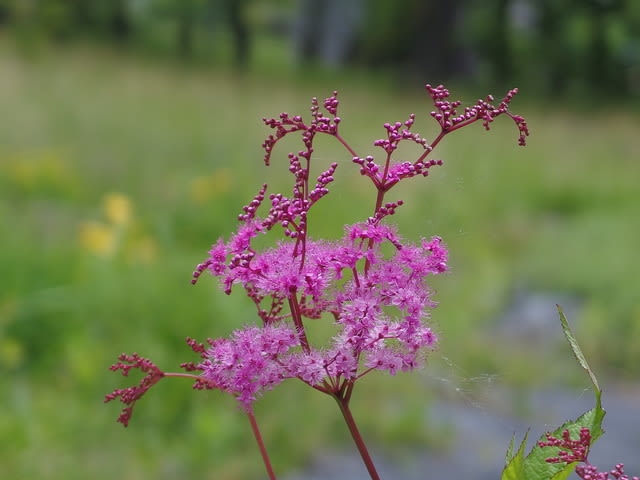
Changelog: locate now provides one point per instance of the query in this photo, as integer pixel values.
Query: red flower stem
(379, 199)
(296, 316)
(345, 144)
(263, 450)
(185, 375)
(433, 145)
(343, 403)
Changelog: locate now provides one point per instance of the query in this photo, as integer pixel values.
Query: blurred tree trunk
(598, 55)
(435, 52)
(417, 36)
(119, 22)
(307, 28)
(84, 18)
(236, 15)
(327, 30)
(603, 72)
(499, 48)
(552, 47)
(185, 29)
(4, 13)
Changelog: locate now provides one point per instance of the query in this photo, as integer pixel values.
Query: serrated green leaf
(509, 455)
(535, 466)
(514, 468)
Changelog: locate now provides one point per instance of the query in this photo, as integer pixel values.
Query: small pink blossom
(246, 365)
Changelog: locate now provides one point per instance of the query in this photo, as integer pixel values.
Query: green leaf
(573, 343)
(534, 466)
(564, 474)
(599, 413)
(509, 454)
(514, 470)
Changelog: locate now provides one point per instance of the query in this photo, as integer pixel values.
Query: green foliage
(577, 352)
(534, 466)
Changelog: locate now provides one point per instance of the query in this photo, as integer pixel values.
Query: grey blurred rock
(532, 317)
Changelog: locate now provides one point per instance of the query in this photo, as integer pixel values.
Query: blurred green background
(130, 138)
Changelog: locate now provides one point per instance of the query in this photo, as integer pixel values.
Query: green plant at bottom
(556, 455)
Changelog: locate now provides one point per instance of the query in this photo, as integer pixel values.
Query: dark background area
(562, 47)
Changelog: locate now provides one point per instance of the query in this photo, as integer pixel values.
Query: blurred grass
(180, 148)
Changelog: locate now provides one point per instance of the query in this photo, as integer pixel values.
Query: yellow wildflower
(98, 238)
(117, 208)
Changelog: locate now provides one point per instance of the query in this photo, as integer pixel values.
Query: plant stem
(343, 403)
(297, 320)
(263, 450)
(346, 145)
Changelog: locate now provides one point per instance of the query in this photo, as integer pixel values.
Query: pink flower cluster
(571, 451)
(378, 304)
(447, 116)
(370, 284)
(249, 363)
(589, 472)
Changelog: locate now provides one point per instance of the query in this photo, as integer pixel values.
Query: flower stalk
(260, 442)
(343, 404)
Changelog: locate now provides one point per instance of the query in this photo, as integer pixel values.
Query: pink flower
(371, 283)
(246, 365)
